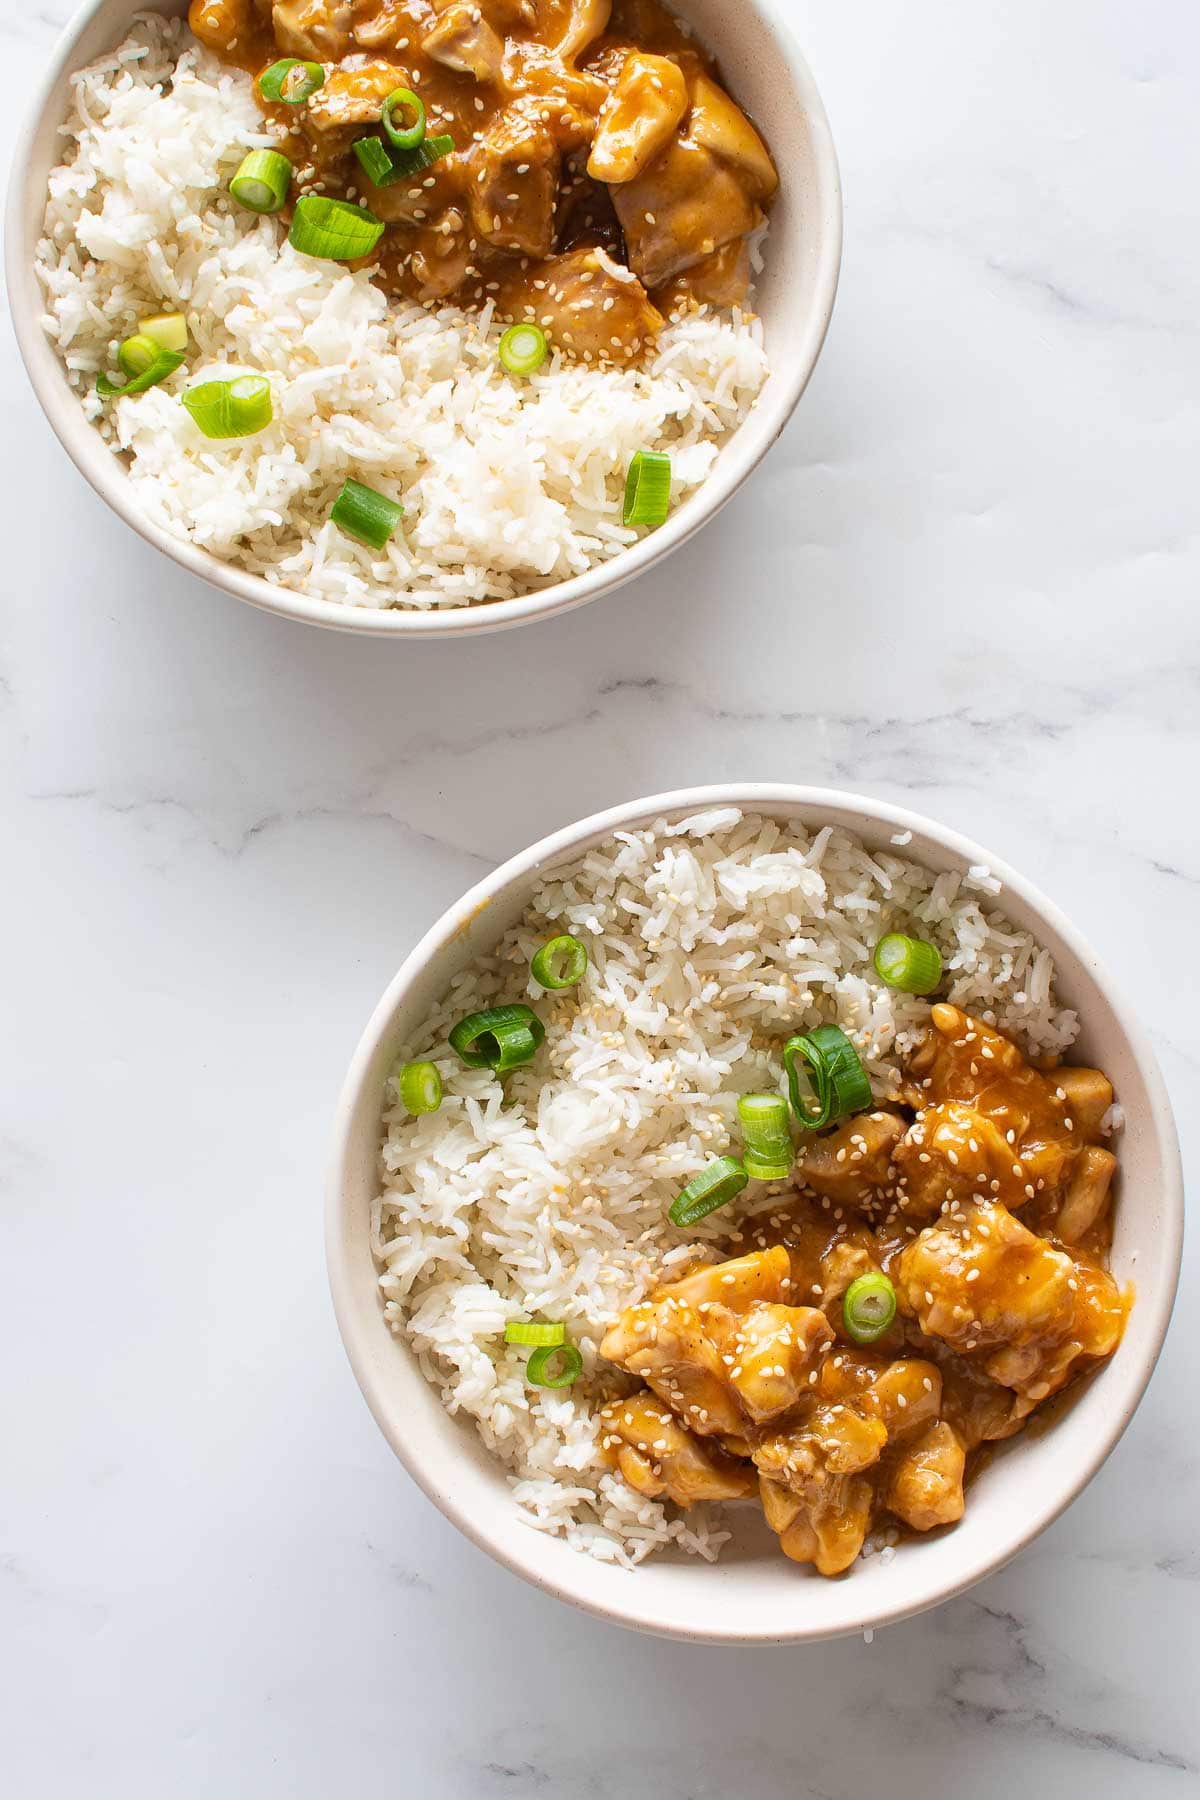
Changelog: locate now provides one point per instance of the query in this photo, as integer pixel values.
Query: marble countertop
(966, 579)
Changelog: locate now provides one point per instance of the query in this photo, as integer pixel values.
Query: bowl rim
(741, 455)
(358, 1329)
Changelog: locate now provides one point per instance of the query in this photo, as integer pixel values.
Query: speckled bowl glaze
(770, 77)
(753, 1595)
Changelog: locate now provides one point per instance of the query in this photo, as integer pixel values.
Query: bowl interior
(752, 1594)
(795, 298)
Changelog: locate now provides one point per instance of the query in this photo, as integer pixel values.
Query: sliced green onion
(499, 1038)
(910, 964)
(766, 1135)
(372, 153)
(648, 489)
(333, 229)
(568, 1359)
(168, 330)
(535, 1331)
(231, 409)
(404, 137)
(137, 354)
(560, 963)
(291, 81)
(165, 363)
(385, 165)
(836, 1079)
(869, 1306)
(714, 1186)
(364, 515)
(523, 349)
(420, 1087)
(261, 184)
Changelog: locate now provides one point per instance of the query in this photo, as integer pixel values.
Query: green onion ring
(539, 1332)
(420, 1087)
(333, 229)
(138, 354)
(368, 517)
(404, 137)
(837, 1078)
(648, 489)
(165, 363)
(716, 1185)
(499, 1038)
(524, 348)
(570, 1366)
(911, 964)
(281, 83)
(560, 963)
(384, 165)
(766, 1135)
(231, 409)
(261, 184)
(868, 1307)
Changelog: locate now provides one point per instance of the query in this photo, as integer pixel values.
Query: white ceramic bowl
(767, 73)
(753, 1595)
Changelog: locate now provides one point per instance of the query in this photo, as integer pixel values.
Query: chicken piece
(1040, 1367)
(588, 20)
(825, 1527)
(589, 305)
(853, 1162)
(647, 104)
(980, 1281)
(316, 30)
(960, 1057)
(834, 1440)
(664, 1342)
(222, 25)
(721, 126)
(925, 1484)
(463, 40)
(379, 24)
(353, 96)
(509, 15)
(963, 1059)
(763, 1276)
(904, 1393)
(813, 1490)
(659, 1458)
(1087, 1197)
(1089, 1094)
(955, 1153)
(514, 181)
(905, 1397)
(687, 204)
(442, 255)
(710, 1344)
(722, 279)
(775, 1350)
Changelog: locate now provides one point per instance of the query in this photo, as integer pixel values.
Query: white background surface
(966, 579)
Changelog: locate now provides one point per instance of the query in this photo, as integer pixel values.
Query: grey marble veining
(967, 577)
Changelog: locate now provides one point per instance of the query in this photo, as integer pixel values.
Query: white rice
(507, 486)
(709, 942)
